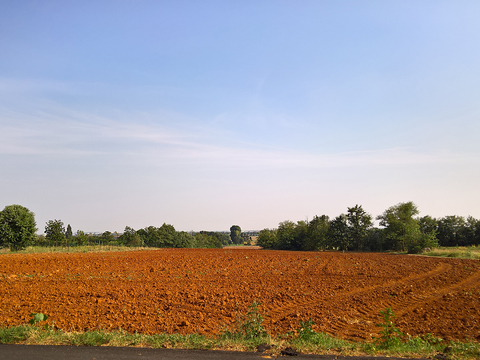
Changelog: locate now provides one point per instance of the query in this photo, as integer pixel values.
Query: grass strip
(312, 343)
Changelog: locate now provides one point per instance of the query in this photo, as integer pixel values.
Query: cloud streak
(75, 134)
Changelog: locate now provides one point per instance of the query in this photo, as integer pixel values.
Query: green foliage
(402, 230)
(305, 331)
(235, 234)
(317, 231)
(308, 341)
(107, 237)
(338, 234)
(390, 335)
(267, 239)
(81, 238)
(17, 227)
(36, 318)
(130, 238)
(359, 223)
(91, 338)
(208, 239)
(55, 231)
(287, 236)
(249, 326)
(14, 334)
(68, 233)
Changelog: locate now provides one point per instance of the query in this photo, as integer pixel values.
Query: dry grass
(461, 252)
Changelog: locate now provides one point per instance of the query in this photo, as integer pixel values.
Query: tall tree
(317, 234)
(68, 233)
(451, 231)
(17, 227)
(267, 239)
(402, 230)
(286, 234)
(81, 238)
(359, 223)
(472, 231)
(235, 232)
(338, 233)
(55, 231)
(130, 237)
(428, 224)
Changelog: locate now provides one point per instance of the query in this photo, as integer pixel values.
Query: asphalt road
(52, 352)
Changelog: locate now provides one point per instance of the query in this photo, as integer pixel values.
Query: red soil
(202, 291)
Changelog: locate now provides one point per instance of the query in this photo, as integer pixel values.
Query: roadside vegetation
(461, 252)
(248, 334)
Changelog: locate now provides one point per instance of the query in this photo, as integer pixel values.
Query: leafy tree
(68, 233)
(183, 239)
(402, 230)
(359, 223)
(428, 224)
(451, 231)
(55, 231)
(338, 233)
(17, 227)
(107, 237)
(167, 234)
(317, 234)
(473, 231)
(130, 237)
(235, 232)
(225, 238)
(375, 240)
(81, 238)
(205, 239)
(286, 233)
(267, 239)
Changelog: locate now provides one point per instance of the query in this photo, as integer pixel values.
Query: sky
(205, 114)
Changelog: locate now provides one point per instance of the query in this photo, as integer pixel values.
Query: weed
(36, 318)
(391, 336)
(249, 326)
(305, 331)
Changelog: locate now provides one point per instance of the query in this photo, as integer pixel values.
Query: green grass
(247, 333)
(461, 252)
(315, 343)
(73, 249)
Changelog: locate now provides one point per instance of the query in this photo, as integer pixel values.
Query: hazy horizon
(207, 114)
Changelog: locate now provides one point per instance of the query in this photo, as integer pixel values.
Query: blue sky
(205, 114)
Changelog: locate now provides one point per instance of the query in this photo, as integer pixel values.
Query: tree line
(18, 230)
(400, 230)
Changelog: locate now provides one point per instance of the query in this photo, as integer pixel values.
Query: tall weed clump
(248, 328)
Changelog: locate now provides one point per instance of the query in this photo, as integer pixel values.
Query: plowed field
(201, 291)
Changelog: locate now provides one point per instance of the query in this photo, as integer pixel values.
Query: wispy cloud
(72, 133)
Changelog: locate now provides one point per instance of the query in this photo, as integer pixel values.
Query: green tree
(206, 239)
(55, 231)
(68, 233)
(428, 224)
(81, 238)
(316, 238)
(235, 232)
(402, 230)
(267, 239)
(17, 227)
(472, 231)
(338, 233)
(286, 235)
(107, 237)
(131, 238)
(359, 223)
(451, 231)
